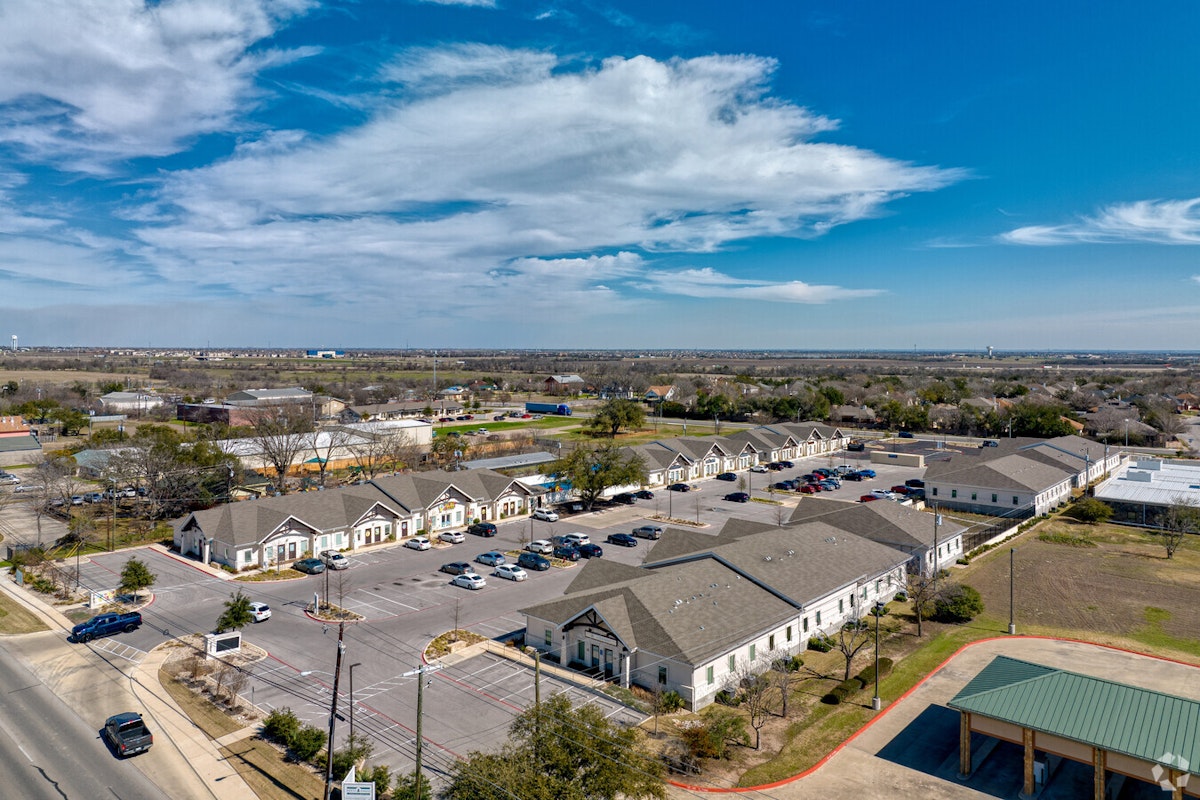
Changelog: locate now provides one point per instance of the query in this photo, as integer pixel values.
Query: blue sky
(594, 174)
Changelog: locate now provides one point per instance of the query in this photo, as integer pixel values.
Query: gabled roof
(692, 612)
(250, 522)
(799, 564)
(1114, 716)
(892, 524)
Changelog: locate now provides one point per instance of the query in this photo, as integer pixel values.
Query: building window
(580, 651)
(708, 674)
(818, 619)
(864, 594)
(733, 664)
(878, 588)
(804, 624)
(752, 651)
(549, 637)
(771, 642)
(953, 493)
(662, 675)
(973, 495)
(842, 605)
(247, 556)
(1014, 499)
(935, 491)
(789, 633)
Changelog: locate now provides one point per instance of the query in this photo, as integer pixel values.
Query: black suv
(482, 529)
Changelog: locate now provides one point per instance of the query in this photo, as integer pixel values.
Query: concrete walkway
(866, 766)
(184, 762)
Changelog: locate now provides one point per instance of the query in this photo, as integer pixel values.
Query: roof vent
(678, 602)
(766, 558)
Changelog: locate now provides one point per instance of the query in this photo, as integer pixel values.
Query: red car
(866, 498)
(901, 489)
(809, 488)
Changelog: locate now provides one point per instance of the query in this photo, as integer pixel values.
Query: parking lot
(405, 602)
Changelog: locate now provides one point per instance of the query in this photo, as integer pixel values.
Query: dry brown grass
(14, 618)
(262, 767)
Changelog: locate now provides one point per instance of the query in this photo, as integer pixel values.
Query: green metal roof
(1114, 716)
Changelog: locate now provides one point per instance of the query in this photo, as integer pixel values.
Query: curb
(896, 702)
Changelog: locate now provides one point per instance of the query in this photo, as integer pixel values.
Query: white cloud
(474, 3)
(92, 80)
(709, 283)
(465, 191)
(1144, 221)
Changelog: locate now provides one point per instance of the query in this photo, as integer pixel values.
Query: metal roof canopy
(1137, 722)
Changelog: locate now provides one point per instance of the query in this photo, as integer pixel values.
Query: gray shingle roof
(691, 612)
(887, 523)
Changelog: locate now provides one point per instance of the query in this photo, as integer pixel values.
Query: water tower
(14, 340)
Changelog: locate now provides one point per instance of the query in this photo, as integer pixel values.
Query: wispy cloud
(712, 284)
(475, 3)
(1144, 221)
(89, 81)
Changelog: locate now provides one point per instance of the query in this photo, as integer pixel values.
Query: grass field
(1122, 588)
(15, 619)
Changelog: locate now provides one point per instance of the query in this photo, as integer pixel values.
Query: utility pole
(537, 700)
(337, 674)
(420, 673)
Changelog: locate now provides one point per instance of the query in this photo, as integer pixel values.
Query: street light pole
(1012, 624)
(876, 703)
(352, 666)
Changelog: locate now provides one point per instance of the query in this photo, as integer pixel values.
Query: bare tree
(1182, 517)
(923, 592)
(850, 639)
(236, 682)
(402, 451)
(752, 682)
(324, 444)
(277, 432)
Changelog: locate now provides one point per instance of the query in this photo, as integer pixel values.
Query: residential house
(656, 394)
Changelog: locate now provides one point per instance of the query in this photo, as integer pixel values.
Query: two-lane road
(47, 751)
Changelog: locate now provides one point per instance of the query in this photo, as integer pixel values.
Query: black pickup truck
(105, 625)
(127, 734)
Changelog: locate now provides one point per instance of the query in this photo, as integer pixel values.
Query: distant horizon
(349, 349)
(818, 175)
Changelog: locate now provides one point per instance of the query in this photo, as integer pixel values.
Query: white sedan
(452, 537)
(418, 543)
(469, 580)
(545, 514)
(510, 572)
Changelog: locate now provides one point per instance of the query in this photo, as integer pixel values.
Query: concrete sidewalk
(859, 769)
(184, 762)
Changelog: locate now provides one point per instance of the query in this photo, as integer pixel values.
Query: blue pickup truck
(106, 625)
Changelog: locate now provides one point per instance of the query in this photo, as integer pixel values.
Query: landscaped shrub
(902, 597)
(711, 736)
(867, 676)
(843, 690)
(1089, 510)
(281, 725)
(307, 742)
(727, 698)
(958, 603)
(819, 644)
